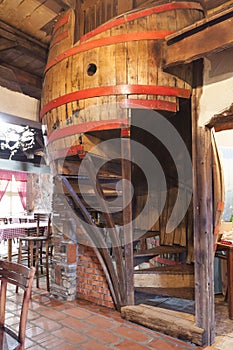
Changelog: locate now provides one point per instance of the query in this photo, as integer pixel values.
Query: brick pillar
(92, 285)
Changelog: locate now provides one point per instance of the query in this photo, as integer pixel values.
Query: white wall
(18, 104)
(218, 85)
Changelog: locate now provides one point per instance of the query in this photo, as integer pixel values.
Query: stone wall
(75, 269)
(39, 192)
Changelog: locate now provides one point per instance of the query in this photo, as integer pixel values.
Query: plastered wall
(217, 93)
(18, 104)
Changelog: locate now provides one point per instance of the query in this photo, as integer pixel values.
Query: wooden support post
(230, 280)
(203, 221)
(127, 218)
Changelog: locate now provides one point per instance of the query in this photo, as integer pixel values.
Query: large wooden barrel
(117, 66)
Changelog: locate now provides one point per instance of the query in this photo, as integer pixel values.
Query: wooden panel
(174, 323)
(127, 218)
(214, 33)
(124, 6)
(28, 16)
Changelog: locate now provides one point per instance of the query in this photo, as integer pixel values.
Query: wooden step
(174, 323)
(148, 234)
(179, 268)
(146, 255)
(182, 293)
(175, 280)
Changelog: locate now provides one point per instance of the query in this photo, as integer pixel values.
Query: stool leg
(19, 258)
(47, 264)
(9, 249)
(37, 264)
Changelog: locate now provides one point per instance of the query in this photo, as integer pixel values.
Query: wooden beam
(32, 46)
(127, 218)
(203, 217)
(209, 4)
(222, 121)
(174, 323)
(6, 44)
(24, 77)
(57, 5)
(196, 41)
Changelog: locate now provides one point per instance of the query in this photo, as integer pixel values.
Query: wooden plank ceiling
(25, 32)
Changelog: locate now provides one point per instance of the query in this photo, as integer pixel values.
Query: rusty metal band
(139, 14)
(150, 104)
(85, 127)
(117, 39)
(58, 38)
(114, 90)
(61, 22)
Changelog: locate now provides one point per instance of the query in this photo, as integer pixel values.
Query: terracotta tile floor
(53, 324)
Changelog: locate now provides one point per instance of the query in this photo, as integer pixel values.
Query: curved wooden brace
(102, 253)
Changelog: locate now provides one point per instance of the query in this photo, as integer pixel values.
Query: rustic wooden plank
(24, 77)
(124, 6)
(170, 322)
(172, 195)
(164, 280)
(203, 219)
(132, 56)
(219, 191)
(143, 56)
(127, 218)
(221, 122)
(215, 33)
(6, 44)
(56, 5)
(161, 249)
(183, 293)
(177, 268)
(33, 47)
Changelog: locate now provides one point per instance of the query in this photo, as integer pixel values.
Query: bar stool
(38, 250)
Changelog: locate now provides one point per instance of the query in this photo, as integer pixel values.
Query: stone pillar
(65, 257)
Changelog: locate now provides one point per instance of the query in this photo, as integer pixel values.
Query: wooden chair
(38, 251)
(22, 277)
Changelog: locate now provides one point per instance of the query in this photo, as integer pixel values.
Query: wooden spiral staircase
(161, 262)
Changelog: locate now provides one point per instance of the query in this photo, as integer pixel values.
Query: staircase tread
(179, 268)
(160, 250)
(148, 234)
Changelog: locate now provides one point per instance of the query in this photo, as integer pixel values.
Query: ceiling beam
(24, 77)
(57, 5)
(196, 41)
(6, 44)
(17, 38)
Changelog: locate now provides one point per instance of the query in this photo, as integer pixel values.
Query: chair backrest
(21, 276)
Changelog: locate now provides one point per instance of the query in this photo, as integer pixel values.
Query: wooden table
(229, 257)
(11, 231)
